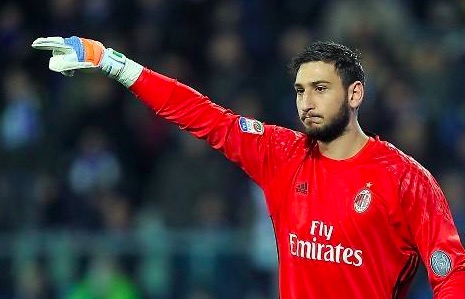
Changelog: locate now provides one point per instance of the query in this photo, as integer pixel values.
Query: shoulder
(395, 160)
(289, 142)
(285, 135)
(407, 171)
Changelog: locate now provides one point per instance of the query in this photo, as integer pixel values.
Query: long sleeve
(434, 233)
(260, 150)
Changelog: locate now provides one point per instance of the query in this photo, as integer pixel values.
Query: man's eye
(299, 90)
(320, 88)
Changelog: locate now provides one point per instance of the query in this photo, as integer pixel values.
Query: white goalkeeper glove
(75, 53)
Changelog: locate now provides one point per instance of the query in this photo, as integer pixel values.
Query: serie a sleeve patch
(441, 263)
(251, 126)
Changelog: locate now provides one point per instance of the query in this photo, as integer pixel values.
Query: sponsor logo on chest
(320, 248)
(319, 245)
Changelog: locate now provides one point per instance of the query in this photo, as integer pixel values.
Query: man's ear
(355, 94)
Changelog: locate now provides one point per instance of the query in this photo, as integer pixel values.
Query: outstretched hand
(70, 54)
(77, 53)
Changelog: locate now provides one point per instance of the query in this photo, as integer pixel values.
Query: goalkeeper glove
(74, 53)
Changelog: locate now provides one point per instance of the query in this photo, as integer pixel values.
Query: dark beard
(334, 129)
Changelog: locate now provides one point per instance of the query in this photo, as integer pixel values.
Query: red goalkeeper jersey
(355, 228)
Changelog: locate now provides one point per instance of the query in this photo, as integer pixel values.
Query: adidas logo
(302, 188)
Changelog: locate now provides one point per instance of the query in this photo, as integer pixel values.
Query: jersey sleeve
(434, 233)
(260, 150)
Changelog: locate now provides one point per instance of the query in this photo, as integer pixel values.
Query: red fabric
(356, 228)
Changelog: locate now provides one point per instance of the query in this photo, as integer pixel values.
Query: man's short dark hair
(346, 61)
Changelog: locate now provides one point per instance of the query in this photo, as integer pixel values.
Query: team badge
(441, 263)
(251, 126)
(362, 200)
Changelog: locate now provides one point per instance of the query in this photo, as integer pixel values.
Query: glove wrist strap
(117, 66)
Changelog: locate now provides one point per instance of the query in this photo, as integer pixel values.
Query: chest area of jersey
(336, 207)
(335, 194)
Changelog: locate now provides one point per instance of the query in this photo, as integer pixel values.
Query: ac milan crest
(362, 200)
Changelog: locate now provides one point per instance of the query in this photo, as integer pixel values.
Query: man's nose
(307, 102)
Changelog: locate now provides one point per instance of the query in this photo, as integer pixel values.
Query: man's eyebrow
(312, 83)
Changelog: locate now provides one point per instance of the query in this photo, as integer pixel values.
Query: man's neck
(345, 146)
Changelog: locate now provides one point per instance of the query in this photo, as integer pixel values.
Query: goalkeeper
(353, 216)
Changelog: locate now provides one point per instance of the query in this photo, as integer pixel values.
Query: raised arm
(260, 150)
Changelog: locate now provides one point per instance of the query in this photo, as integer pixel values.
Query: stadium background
(99, 196)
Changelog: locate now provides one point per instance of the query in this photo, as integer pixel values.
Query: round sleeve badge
(441, 263)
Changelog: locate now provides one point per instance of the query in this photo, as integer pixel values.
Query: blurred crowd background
(100, 199)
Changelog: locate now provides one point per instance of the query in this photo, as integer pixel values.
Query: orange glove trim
(93, 50)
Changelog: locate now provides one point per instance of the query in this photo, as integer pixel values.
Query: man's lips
(310, 118)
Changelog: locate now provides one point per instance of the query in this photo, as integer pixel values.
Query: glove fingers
(63, 63)
(70, 54)
(51, 43)
(70, 67)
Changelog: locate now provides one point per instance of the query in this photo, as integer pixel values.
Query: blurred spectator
(95, 166)
(97, 12)
(210, 212)
(408, 127)
(20, 120)
(104, 280)
(116, 212)
(263, 253)
(93, 171)
(453, 183)
(154, 270)
(34, 282)
(50, 208)
(229, 69)
(12, 36)
(62, 15)
(176, 183)
(21, 129)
